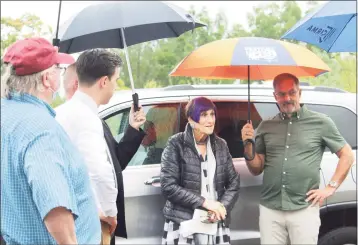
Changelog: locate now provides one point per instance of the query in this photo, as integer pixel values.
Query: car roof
(316, 94)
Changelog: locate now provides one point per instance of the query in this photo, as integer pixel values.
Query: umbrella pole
(134, 95)
(249, 141)
(248, 94)
(56, 41)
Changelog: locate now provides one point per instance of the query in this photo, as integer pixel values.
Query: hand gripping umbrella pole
(249, 141)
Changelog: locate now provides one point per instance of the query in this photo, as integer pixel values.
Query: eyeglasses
(290, 93)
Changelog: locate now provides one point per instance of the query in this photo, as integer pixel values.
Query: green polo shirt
(293, 149)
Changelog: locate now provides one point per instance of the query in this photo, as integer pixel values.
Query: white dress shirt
(79, 118)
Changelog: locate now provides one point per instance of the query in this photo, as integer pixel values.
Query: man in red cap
(46, 196)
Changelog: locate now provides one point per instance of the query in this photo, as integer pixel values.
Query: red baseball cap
(33, 55)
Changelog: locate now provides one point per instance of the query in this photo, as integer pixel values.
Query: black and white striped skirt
(171, 234)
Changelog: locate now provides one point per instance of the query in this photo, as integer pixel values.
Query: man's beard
(285, 109)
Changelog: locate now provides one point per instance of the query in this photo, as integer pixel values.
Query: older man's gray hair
(10, 82)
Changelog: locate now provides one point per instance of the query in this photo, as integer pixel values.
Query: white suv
(165, 116)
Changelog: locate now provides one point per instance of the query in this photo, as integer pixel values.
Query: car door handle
(154, 181)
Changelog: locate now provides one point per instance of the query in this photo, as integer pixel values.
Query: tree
(151, 62)
(57, 101)
(238, 31)
(13, 29)
(312, 5)
(170, 52)
(140, 57)
(272, 20)
(121, 85)
(348, 73)
(28, 25)
(151, 84)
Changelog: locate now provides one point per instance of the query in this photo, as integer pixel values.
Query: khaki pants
(298, 227)
(106, 235)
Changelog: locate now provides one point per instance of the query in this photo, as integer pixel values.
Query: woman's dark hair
(196, 106)
(96, 63)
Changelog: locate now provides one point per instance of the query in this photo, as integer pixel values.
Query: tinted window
(345, 120)
(167, 119)
(232, 116)
(118, 123)
(162, 122)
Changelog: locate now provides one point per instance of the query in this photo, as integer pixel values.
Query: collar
(87, 100)
(189, 138)
(298, 114)
(28, 98)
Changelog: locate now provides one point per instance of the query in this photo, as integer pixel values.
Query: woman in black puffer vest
(198, 180)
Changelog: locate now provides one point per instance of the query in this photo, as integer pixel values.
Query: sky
(236, 11)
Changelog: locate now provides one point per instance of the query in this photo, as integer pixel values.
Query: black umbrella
(122, 24)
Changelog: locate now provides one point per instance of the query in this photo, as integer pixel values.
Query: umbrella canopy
(99, 26)
(332, 27)
(122, 24)
(250, 57)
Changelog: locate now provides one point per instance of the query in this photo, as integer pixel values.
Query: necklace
(202, 142)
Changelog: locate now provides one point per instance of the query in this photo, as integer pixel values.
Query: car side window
(162, 122)
(344, 119)
(232, 116)
(118, 123)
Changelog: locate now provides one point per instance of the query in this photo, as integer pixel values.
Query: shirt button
(283, 186)
(289, 134)
(284, 172)
(287, 146)
(298, 117)
(290, 122)
(285, 159)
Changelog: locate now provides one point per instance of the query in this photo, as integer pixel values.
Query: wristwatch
(333, 184)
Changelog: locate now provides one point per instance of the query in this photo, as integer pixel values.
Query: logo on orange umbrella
(261, 53)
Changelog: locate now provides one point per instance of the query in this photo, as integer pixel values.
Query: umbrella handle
(250, 141)
(135, 101)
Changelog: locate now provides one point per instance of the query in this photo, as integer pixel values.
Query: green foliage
(272, 20)
(151, 84)
(151, 62)
(121, 85)
(13, 29)
(28, 25)
(57, 101)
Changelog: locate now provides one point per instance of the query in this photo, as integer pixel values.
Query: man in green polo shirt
(289, 150)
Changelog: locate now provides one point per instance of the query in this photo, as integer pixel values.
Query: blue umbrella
(332, 27)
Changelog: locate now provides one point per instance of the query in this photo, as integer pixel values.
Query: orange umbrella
(230, 59)
(250, 58)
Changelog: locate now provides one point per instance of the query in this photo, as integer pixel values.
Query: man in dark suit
(121, 152)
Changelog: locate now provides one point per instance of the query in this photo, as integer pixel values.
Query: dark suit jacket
(121, 154)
